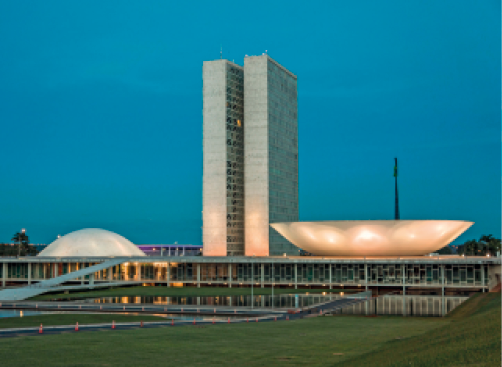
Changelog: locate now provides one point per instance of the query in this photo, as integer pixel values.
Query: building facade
(250, 145)
(223, 167)
(271, 155)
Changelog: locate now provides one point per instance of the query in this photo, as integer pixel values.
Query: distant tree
(489, 245)
(445, 251)
(21, 239)
(486, 245)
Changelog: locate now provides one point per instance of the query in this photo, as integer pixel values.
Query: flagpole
(396, 213)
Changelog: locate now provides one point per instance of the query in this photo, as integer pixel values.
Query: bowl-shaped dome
(91, 242)
(372, 237)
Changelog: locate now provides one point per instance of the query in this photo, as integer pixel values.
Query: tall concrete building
(271, 155)
(250, 145)
(223, 147)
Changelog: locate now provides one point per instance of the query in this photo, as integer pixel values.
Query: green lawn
(469, 337)
(181, 292)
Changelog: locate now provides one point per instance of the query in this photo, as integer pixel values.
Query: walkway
(270, 317)
(53, 284)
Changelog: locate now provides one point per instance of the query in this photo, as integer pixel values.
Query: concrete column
(183, 250)
(29, 273)
(168, 275)
(365, 277)
(296, 276)
(229, 275)
(109, 274)
(91, 279)
(198, 275)
(4, 273)
(442, 291)
(262, 275)
(404, 290)
(138, 272)
(330, 285)
(483, 277)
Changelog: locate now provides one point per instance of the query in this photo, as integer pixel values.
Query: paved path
(244, 318)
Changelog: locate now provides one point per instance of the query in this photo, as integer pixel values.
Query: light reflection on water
(414, 305)
(279, 301)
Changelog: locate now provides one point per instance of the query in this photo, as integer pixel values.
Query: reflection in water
(279, 301)
(415, 306)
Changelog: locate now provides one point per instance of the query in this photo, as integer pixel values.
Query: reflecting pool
(414, 305)
(268, 301)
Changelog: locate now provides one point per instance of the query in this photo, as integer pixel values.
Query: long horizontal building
(452, 274)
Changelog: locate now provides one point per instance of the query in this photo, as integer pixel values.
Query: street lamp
(20, 241)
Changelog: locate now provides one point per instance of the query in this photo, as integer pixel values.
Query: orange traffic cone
(194, 320)
(172, 322)
(76, 326)
(113, 324)
(40, 329)
(141, 324)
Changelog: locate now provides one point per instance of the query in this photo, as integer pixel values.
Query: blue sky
(101, 110)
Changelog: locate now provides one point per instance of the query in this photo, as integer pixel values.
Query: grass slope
(180, 292)
(471, 339)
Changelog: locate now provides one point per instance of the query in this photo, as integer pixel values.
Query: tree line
(19, 239)
(487, 245)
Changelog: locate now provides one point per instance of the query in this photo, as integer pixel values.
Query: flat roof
(445, 259)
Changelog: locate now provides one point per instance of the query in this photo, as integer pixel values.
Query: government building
(251, 232)
(250, 146)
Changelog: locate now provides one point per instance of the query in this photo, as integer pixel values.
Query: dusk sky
(101, 110)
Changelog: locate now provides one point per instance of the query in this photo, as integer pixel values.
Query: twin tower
(250, 144)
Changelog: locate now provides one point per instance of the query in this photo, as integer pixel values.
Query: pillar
(183, 250)
(296, 276)
(442, 291)
(262, 275)
(483, 277)
(29, 273)
(198, 275)
(330, 285)
(168, 275)
(91, 279)
(403, 267)
(229, 275)
(365, 277)
(4, 273)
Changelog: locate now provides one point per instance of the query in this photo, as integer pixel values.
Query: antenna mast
(221, 52)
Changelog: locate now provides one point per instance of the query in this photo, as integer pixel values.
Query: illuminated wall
(271, 155)
(223, 162)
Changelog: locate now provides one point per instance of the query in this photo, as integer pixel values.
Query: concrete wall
(256, 156)
(214, 162)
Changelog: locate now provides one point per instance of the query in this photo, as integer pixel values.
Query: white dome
(91, 242)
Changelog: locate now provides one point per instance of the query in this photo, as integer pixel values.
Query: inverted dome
(372, 237)
(91, 242)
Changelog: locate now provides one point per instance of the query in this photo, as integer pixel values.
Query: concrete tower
(250, 144)
(271, 155)
(223, 162)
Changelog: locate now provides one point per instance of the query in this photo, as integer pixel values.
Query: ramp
(53, 284)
